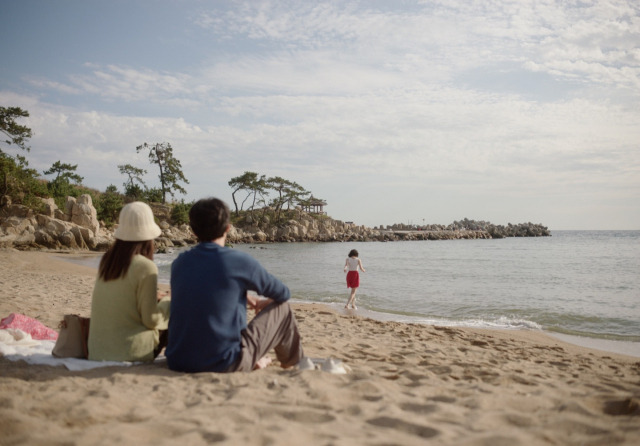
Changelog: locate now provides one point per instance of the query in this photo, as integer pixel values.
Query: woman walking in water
(352, 265)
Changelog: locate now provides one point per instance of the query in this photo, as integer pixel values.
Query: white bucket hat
(136, 223)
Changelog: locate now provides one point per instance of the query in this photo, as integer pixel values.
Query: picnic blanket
(17, 345)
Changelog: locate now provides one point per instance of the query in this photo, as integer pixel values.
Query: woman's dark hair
(353, 253)
(209, 219)
(115, 262)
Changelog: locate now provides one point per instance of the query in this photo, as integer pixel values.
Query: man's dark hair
(209, 218)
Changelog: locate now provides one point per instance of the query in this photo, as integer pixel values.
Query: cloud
(408, 134)
(480, 102)
(123, 84)
(336, 48)
(595, 41)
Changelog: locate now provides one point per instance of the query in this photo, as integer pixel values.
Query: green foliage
(135, 192)
(110, 203)
(61, 187)
(133, 173)
(236, 219)
(255, 186)
(288, 193)
(134, 186)
(18, 134)
(64, 172)
(17, 180)
(153, 195)
(20, 182)
(180, 213)
(242, 182)
(170, 168)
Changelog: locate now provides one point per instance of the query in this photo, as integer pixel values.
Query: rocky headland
(76, 227)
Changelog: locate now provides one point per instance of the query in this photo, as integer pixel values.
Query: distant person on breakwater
(351, 267)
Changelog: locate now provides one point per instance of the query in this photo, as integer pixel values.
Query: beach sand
(408, 385)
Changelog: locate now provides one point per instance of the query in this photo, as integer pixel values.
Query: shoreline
(407, 383)
(88, 270)
(631, 349)
(628, 348)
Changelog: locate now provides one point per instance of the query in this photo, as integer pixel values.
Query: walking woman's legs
(352, 299)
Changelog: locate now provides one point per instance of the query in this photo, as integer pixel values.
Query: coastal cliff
(77, 228)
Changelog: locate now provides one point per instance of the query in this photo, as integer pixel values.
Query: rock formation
(77, 227)
(309, 228)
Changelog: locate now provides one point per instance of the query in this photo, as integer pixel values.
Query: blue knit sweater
(209, 287)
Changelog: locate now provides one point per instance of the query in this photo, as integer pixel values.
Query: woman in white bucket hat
(128, 322)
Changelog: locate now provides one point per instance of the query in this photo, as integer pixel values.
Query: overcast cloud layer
(391, 111)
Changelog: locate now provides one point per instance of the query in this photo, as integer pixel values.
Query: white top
(352, 262)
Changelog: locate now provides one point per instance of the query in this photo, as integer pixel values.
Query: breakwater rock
(309, 228)
(466, 225)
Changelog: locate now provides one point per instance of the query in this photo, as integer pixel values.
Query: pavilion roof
(317, 201)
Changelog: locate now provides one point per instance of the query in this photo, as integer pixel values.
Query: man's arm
(268, 285)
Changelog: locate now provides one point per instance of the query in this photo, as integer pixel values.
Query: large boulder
(16, 210)
(49, 207)
(84, 214)
(77, 227)
(66, 234)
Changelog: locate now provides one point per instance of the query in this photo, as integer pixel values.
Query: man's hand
(163, 294)
(257, 303)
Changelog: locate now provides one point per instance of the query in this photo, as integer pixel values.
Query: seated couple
(208, 329)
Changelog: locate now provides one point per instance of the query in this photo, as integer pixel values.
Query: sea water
(583, 286)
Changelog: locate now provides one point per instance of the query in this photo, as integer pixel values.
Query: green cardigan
(126, 316)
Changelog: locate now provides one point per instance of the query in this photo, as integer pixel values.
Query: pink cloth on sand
(35, 328)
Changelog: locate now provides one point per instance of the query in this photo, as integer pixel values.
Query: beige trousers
(275, 328)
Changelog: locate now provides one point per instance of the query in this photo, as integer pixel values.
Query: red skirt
(353, 279)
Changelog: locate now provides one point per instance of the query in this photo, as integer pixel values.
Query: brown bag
(73, 337)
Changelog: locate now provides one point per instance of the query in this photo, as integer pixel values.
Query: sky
(398, 111)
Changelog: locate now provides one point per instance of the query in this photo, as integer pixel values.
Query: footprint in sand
(213, 437)
(401, 425)
(440, 369)
(628, 406)
(309, 417)
(421, 409)
(443, 399)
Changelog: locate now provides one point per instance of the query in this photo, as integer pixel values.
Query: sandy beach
(408, 384)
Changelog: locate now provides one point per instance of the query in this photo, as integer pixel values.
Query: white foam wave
(501, 322)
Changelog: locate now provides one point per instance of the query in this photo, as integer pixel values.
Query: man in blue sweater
(208, 329)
